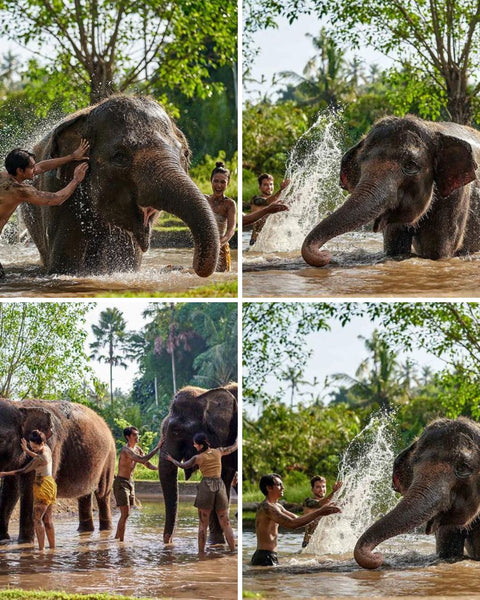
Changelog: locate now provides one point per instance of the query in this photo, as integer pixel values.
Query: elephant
(438, 476)
(138, 167)
(417, 182)
(194, 409)
(83, 452)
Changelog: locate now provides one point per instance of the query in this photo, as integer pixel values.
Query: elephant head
(193, 410)
(439, 478)
(393, 176)
(138, 167)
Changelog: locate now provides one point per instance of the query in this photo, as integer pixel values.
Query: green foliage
(19, 594)
(269, 133)
(41, 350)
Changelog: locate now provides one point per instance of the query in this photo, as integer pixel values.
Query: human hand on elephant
(81, 153)
(80, 172)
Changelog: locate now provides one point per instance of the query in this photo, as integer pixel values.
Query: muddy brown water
(359, 268)
(411, 569)
(141, 566)
(163, 270)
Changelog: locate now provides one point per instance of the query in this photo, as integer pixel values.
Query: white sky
(289, 49)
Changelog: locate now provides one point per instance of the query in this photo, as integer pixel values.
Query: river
(141, 566)
(359, 269)
(163, 271)
(411, 568)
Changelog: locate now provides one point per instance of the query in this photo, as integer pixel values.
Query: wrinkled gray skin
(83, 452)
(417, 182)
(215, 412)
(439, 479)
(138, 166)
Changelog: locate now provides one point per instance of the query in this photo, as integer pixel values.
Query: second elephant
(417, 182)
(439, 479)
(194, 409)
(138, 167)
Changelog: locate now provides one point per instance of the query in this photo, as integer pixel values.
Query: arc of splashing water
(313, 169)
(366, 490)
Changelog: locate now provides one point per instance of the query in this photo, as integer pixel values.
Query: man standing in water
(123, 488)
(21, 166)
(319, 489)
(271, 514)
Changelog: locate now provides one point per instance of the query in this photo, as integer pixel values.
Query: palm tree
(110, 334)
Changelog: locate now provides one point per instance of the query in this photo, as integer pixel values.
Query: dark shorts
(211, 494)
(124, 491)
(264, 558)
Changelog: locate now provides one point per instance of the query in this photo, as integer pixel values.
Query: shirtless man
(266, 197)
(123, 488)
(21, 166)
(225, 211)
(271, 514)
(318, 485)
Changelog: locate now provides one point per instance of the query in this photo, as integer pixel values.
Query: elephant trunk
(168, 478)
(423, 500)
(164, 185)
(368, 201)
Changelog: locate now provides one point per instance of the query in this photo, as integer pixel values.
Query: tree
(110, 46)
(110, 334)
(42, 350)
(439, 38)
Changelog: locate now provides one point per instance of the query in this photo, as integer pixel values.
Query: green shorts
(211, 494)
(124, 491)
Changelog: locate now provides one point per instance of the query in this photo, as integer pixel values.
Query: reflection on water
(411, 568)
(359, 268)
(163, 270)
(142, 566)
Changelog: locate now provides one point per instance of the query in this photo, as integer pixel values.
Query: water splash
(366, 472)
(313, 169)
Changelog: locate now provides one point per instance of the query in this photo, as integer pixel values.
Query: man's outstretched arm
(53, 163)
(33, 196)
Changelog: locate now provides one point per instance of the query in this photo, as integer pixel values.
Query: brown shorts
(211, 494)
(124, 491)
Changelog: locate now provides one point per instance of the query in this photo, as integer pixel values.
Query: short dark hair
(264, 176)
(316, 478)
(127, 432)
(267, 481)
(37, 437)
(18, 159)
(220, 168)
(201, 439)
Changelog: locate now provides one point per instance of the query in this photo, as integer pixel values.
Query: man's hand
(284, 184)
(81, 153)
(330, 509)
(80, 172)
(337, 486)
(277, 206)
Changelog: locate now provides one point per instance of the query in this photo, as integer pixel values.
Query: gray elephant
(194, 409)
(83, 452)
(138, 166)
(417, 182)
(439, 478)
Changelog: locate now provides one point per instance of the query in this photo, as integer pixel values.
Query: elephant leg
(397, 240)
(472, 543)
(216, 534)
(450, 542)
(168, 478)
(85, 515)
(26, 529)
(8, 498)
(104, 510)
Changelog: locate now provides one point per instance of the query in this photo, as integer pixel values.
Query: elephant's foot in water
(105, 524)
(85, 526)
(2, 272)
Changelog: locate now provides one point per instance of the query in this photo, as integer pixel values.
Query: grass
(225, 289)
(38, 595)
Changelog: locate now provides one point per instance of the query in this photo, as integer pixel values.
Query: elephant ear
(454, 164)
(350, 169)
(402, 470)
(37, 418)
(220, 417)
(65, 138)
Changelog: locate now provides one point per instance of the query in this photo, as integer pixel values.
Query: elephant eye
(410, 168)
(463, 471)
(121, 159)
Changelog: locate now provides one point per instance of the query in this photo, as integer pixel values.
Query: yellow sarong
(224, 262)
(44, 490)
